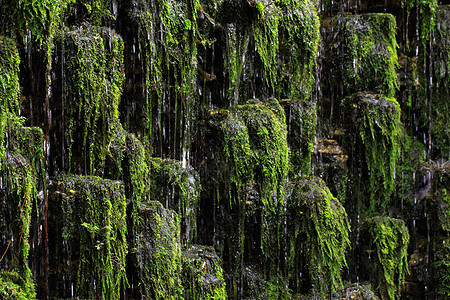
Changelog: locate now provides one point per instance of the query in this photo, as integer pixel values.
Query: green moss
(21, 160)
(425, 12)
(390, 240)
(158, 252)
(93, 73)
(411, 157)
(13, 287)
(286, 38)
(202, 275)
(318, 237)
(255, 147)
(374, 132)
(367, 51)
(257, 287)
(178, 188)
(299, 42)
(39, 17)
(442, 269)
(93, 230)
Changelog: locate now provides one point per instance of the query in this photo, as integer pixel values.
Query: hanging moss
(21, 159)
(299, 43)
(89, 89)
(364, 53)
(374, 131)
(39, 17)
(318, 237)
(178, 188)
(88, 234)
(202, 275)
(163, 61)
(158, 253)
(388, 240)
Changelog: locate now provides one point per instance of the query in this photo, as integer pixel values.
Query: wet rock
(202, 275)
(383, 248)
(330, 164)
(154, 266)
(360, 54)
(177, 187)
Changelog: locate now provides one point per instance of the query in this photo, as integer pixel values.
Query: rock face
(243, 149)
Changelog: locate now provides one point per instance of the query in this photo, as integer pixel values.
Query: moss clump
(255, 151)
(158, 253)
(202, 275)
(13, 287)
(92, 228)
(89, 89)
(389, 240)
(178, 188)
(374, 132)
(318, 237)
(366, 48)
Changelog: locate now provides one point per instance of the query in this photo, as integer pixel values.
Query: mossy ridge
(369, 49)
(390, 238)
(425, 11)
(93, 63)
(94, 227)
(177, 187)
(202, 275)
(319, 227)
(374, 121)
(158, 252)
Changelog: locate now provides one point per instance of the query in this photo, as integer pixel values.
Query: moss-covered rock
(373, 131)
(202, 275)
(318, 236)
(177, 187)
(157, 269)
(86, 97)
(384, 246)
(256, 286)
(87, 236)
(361, 51)
(301, 120)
